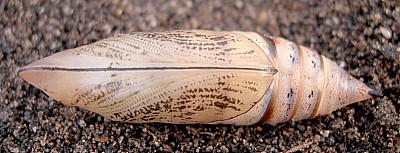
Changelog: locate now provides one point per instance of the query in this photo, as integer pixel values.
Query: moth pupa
(196, 77)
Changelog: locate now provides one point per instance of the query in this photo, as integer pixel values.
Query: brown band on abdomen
(297, 101)
(271, 106)
(268, 114)
(320, 89)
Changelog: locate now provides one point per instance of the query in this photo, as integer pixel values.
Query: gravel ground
(361, 36)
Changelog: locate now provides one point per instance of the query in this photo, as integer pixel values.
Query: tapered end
(341, 89)
(357, 91)
(375, 93)
(48, 75)
(50, 82)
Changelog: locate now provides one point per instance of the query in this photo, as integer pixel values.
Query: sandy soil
(361, 36)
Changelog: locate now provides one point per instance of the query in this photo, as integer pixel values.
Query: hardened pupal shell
(196, 77)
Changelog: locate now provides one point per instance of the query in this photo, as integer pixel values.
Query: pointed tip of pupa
(375, 93)
(360, 92)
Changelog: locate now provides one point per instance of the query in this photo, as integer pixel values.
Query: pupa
(196, 77)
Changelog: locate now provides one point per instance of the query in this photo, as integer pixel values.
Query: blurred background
(360, 36)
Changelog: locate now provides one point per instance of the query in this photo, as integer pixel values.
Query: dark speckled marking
(213, 47)
(311, 94)
(314, 64)
(194, 97)
(290, 94)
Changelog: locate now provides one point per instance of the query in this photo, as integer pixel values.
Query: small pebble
(316, 148)
(15, 150)
(302, 128)
(262, 17)
(120, 139)
(259, 128)
(239, 4)
(325, 133)
(240, 130)
(209, 148)
(342, 64)
(224, 149)
(386, 32)
(274, 142)
(167, 148)
(331, 140)
(82, 123)
(317, 138)
(34, 129)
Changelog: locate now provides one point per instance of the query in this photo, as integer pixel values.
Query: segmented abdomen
(308, 84)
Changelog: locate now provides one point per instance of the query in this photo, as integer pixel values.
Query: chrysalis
(196, 77)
